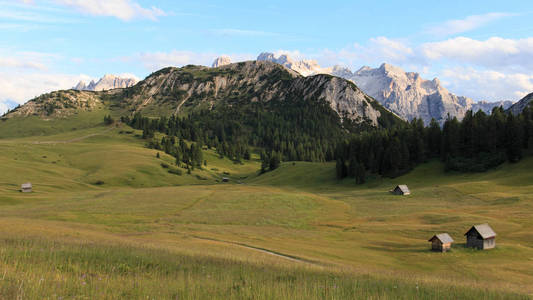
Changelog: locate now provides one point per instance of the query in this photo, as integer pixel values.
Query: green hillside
(108, 220)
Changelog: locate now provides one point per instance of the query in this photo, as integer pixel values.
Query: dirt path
(262, 250)
(72, 140)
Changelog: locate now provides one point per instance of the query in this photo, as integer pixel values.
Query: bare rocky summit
(179, 91)
(257, 81)
(108, 82)
(519, 106)
(221, 61)
(406, 94)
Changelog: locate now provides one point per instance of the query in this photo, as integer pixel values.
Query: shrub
(175, 172)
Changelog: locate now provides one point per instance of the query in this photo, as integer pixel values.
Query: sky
(479, 49)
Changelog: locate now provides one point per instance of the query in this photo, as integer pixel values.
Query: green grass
(106, 220)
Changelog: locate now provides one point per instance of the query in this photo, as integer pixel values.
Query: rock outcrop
(519, 106)
(183, 90)
(405, 93)
(304, 67)
(255, 81)
(108, 82)
(221, 61)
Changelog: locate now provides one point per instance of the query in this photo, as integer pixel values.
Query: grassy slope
(181, 235)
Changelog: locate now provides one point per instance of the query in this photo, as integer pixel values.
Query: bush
(480, 163)
(175, 172)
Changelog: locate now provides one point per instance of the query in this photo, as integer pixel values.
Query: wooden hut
(401, 189)
(441, 242)
(26, 188)
(481, 237)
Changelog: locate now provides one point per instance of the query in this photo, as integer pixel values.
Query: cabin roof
(26, 185)
(442, 237)
(484, 230)
(403, 188)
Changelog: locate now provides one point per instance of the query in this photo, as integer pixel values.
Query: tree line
(475, 144)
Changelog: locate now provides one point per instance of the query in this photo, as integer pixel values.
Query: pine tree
(514, 135)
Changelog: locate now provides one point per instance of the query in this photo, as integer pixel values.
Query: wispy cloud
(495, 52)
(488, 84)
(125, 10)
(153, 61)
(242, 32)
(469, 23)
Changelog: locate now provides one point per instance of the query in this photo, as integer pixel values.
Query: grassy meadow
(106, 220)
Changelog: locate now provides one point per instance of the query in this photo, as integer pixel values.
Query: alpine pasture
(106, 219)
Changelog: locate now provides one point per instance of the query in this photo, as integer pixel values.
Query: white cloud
(392, 50)
(504, 55)
(11, 62)
(153, 61)
(243, 32)
(26, 60)
(122, 9)
(20, 87)
(376, 51)
(494, 52)
(488, 84)
(469, 23)
(492, 69)
(3, 108)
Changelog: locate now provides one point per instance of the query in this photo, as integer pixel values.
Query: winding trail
(81, 138)
(262, 250)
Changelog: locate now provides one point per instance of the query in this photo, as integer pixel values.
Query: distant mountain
(304, 67)
(519, 106)
(108, 82)
(183, 90)
(487, 107)
(404, 93)
(221, 61)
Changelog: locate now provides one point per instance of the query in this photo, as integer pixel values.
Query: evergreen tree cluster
(296, 130)
(108, 120)
(475, 144)
(191, 156)
(270, 161)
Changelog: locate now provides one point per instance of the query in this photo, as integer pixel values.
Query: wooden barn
(441, 242)
(481, 237)
(401, 189)
(26, 188)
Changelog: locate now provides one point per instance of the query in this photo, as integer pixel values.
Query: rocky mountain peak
(304, 67)
(405, 93)
(107, 82)
(221, 61)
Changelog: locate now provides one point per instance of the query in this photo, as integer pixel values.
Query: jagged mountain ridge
(404, 93)
(257, 81)
(519, 106)
(108, 82)
(180, 90)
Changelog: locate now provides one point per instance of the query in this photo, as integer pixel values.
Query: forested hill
(182, 90)
(233, 107)
(179, 91)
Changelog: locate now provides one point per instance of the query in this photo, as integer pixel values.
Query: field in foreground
(106, 220)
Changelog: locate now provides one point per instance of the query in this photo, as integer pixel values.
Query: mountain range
(108, 82)
(183, 90)
(519, 106)
(406, 94)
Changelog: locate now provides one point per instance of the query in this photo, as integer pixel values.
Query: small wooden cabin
(401, 189)
(441, 242)
(481, 237)
(26, 188)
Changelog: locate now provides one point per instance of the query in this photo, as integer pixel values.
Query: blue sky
(479, 49)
